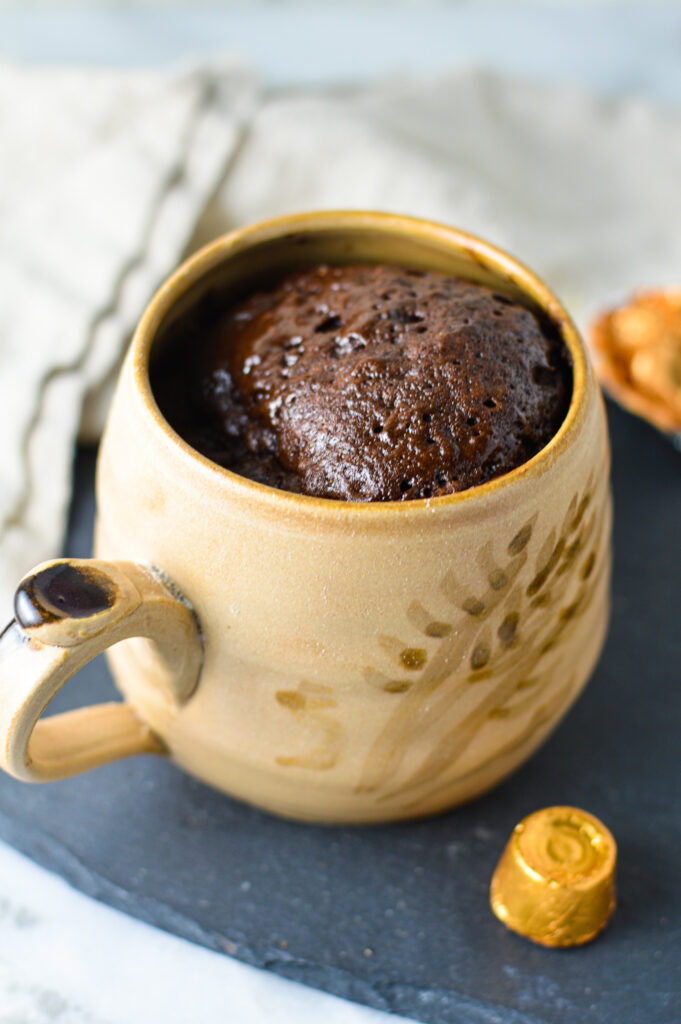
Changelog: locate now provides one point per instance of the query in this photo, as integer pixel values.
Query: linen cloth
(108, 179)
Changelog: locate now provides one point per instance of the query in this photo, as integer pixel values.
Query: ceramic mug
(326, 660)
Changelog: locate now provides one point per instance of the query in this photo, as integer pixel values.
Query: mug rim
(484, 253)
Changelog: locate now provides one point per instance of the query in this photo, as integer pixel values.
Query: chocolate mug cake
(333, 660)
(367, 383)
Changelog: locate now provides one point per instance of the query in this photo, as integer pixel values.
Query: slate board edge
(440, 1006)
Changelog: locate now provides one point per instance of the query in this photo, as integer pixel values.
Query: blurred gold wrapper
(555, 883)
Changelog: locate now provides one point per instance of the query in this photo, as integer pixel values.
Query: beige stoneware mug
(325, 660)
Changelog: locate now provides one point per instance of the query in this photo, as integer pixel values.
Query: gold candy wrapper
(638, 357)
(555, 883)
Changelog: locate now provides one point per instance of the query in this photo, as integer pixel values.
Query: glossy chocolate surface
(367, 383)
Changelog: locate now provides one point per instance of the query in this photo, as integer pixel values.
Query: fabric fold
(104, 178)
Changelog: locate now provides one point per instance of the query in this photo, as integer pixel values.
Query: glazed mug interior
(327, 660)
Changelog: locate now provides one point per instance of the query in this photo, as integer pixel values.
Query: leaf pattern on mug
(547, 712)
(503, 642)
(310, 703)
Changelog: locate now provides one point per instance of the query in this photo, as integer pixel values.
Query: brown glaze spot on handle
(63, 591)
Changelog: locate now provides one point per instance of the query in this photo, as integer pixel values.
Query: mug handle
(66, 613)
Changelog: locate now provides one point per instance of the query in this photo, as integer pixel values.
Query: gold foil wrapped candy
(638, 354)
(555, 883)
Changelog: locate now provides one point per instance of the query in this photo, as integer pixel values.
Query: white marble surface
(63, 957)
(69, 960)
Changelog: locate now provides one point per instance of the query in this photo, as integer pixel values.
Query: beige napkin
(584, 191)
(108, 178)
(103, 176)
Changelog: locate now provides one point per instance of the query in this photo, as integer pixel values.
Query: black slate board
(397, 917)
